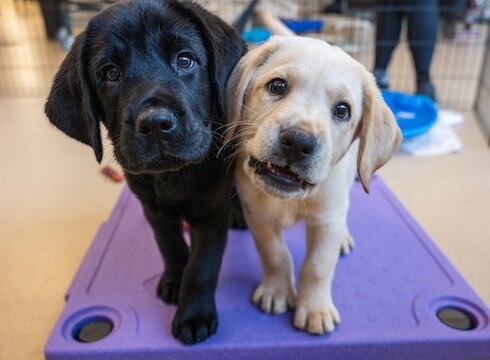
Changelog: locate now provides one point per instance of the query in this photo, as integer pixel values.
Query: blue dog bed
(415, 114)
(304, 25)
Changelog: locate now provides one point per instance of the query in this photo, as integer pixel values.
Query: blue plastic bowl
(415, 114)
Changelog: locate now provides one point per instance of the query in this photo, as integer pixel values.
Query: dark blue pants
(422, 19)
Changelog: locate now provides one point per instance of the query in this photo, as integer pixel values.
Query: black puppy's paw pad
(196, 329)
(168, 290)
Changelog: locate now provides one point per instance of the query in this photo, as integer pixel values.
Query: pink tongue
(284, 172)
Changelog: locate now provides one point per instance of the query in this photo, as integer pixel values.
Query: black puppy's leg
(167, 228)
(196, 318)
(236, 217)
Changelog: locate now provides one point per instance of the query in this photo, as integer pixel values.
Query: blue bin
(256, 35)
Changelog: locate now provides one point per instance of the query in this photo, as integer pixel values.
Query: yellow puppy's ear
(379, 133)
(239, 81)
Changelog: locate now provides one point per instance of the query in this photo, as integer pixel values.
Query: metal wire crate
(28, 58)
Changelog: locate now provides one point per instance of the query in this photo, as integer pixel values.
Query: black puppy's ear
(225, 48)
(72, 102)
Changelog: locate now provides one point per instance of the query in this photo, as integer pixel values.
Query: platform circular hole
(457, 318)
(93, 329)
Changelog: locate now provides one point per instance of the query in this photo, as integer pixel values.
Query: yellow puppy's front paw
(317, 321)
(347, 245)
(274, 300)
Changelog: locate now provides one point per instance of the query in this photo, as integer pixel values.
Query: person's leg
(422, 37)
(50, 12)
(389, 24)
(450, 12)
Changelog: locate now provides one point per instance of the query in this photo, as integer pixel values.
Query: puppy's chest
(291, 218)
(285, 213)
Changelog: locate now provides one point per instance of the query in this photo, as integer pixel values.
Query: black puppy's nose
(297, 145)
(155, 122)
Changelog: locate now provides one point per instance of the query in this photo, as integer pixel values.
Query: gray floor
(53, 200)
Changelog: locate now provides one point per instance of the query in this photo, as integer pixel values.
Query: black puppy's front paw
(194, 329)
(168, 289)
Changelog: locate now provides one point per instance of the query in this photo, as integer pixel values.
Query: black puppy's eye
(112, 74)
(277, 86)
(342, 111)
(185, 61)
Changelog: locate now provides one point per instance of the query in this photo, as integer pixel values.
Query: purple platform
(388, 292)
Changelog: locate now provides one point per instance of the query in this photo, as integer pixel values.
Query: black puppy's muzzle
(157, 122)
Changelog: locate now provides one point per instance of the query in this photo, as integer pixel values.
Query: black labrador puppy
(154, 73)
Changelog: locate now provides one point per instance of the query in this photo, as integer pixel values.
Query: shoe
(427, 89)
(382, 79)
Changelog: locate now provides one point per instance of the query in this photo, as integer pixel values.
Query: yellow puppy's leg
(276, 291)
(315, 310)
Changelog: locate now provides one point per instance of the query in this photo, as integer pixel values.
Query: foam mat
(398, 296)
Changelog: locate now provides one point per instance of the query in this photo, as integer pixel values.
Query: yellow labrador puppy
(305, 116)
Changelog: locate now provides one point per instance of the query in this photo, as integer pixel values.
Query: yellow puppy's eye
(277, 86)
(342, 111)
